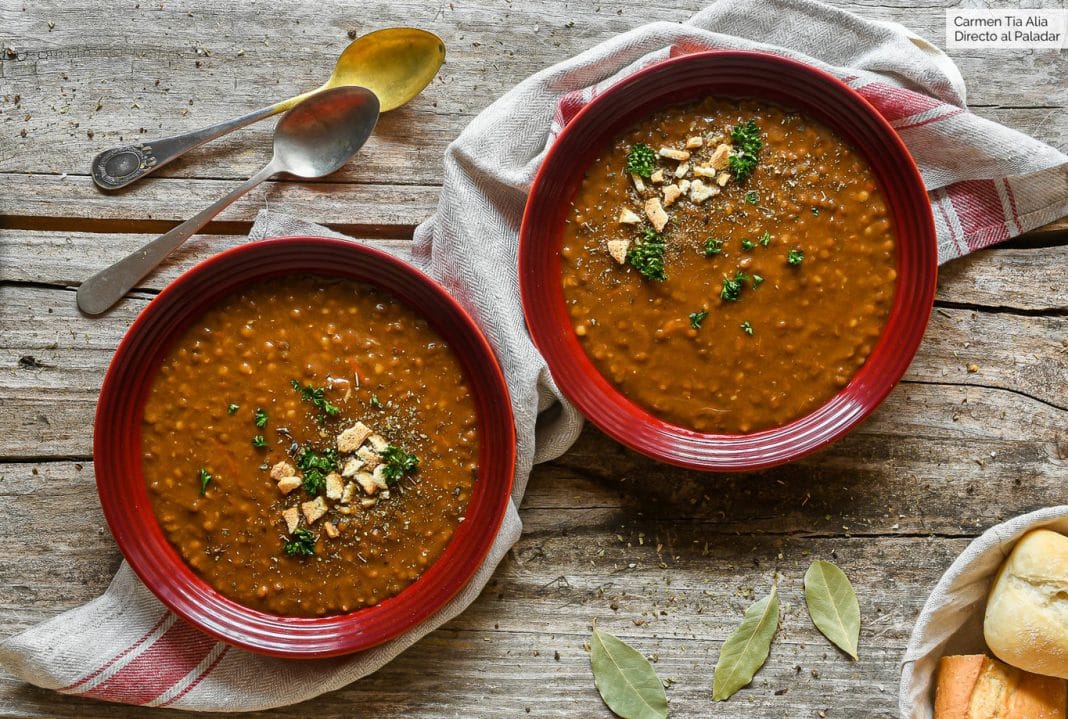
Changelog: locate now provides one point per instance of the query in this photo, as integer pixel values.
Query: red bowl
(736, 75)
(124, 495)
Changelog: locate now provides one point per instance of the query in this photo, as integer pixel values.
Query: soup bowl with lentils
(728, 260)
(295, 458)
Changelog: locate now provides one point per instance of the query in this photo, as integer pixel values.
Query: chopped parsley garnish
(816, 211)
(376, 402)
(696, 318)
(732, 288)
(747, 328)
(315, 466)
(205, 480)
(301, 545)
(261, 418)
(231, 408)
(795, 257)
(747, 144)
(647, 255)
(713, 247)
(751, 198)
(259, 441)
(757, 279)
(398, 463)
(765, 239)
(317, 396)
(641, 160)
(748, 244)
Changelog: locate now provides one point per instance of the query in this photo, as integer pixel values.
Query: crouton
(367, 482)
(655, 212)
(331, 530)
(705, 171)
(672, 154)
(378, 442)
(657, 177)
(699, 191)
(348, 493)
(282, 469)
(379, 476)
(618, 250)
(288, 484)
(637, 180)
(352, 466)
(313, 510)
(720, 157)
(682, 169)
(369, 457)
(334, 486)
(723, 178)
(292, 519)
(628, 216)
(351, 439)
(692, 143)
(671, 193)
(684, 185)
(368, 502)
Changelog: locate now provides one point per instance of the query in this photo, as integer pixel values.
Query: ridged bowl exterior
(121, 482)
(736, 75)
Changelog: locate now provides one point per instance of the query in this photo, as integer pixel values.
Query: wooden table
(665, 558)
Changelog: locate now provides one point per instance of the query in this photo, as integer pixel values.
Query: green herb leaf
(315, 466)
(647, 255)
(231, 408)
(398, 463)
(625, 679)
(757, 280)
(751, 198)
(259, 441)
(732, 288)
(205, 480)
(713, 247)
(747, 145)
(696, 318)
(815, 212)
(317, 396)
(641, 160)
(375, 402)
(260, 418)
(302, 544)
(748, 245)
(746, 650)
(765, 239)
(747, 328)
(795, 257)
(833, 605)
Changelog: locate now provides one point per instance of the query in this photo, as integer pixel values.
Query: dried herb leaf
(625, 679)
(745, 651)
(833, 606)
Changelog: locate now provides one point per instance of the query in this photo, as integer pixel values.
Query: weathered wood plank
(1025, 279)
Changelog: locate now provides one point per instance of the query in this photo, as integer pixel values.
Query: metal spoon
(395, 64)
(313, 139)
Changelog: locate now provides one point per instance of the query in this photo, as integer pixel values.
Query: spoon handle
(98, 293)
(120, 166)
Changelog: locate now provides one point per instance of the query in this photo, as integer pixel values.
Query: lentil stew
(729, 264)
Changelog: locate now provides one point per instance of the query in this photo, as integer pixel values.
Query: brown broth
(813, 325)
(245, 351)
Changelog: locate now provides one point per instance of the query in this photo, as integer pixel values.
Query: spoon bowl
(313, 139)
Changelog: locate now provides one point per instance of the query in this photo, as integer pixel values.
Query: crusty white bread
(978, 687)
(1026, 622)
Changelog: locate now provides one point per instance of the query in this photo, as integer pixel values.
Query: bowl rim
(124, 495)
(631, 424)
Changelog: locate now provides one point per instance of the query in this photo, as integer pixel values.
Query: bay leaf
(833, 606)
(746, 650)
(625, 679)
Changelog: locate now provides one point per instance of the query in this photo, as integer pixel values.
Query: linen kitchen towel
(986, 182)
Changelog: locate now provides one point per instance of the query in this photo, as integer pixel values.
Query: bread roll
(978, 687)
(1026, 621)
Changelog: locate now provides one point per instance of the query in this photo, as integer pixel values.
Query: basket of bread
(992, 640)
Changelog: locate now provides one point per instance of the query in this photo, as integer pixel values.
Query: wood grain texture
(665, 558)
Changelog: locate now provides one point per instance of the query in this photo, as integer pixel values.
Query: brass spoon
(394, 63)
(313, 139)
